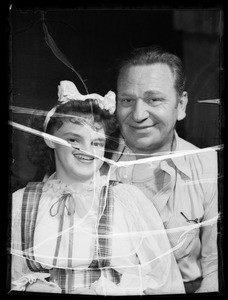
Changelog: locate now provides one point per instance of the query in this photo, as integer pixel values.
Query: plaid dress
(68, 277)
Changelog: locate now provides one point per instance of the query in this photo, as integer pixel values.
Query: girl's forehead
(83, 128)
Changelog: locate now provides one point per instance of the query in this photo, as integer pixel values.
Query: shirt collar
(180, 162)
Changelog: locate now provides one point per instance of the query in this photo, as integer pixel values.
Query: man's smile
(141, 127)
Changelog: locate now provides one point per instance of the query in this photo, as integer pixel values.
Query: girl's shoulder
(17, 198)
(126, 188)
(138, 211)
(130, 197)
(17, 195)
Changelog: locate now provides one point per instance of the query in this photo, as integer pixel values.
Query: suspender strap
(30, 204)
(102, 255)
(105, 225)
(104, 247)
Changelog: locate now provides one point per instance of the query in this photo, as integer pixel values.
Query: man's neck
(165, 149)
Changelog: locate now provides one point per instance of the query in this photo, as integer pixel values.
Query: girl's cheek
(99, 152)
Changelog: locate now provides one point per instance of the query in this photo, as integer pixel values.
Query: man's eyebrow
(124, 94)
(153, 93)
(145, 94)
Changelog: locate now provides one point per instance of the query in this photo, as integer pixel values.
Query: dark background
(93, 40)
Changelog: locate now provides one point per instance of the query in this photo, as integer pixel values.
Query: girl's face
(74, 165)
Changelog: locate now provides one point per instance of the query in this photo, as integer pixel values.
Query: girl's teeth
(84, 157)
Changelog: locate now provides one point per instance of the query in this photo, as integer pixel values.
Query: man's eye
(126, 101)
(154, 101)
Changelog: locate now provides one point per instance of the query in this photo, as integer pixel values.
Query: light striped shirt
(184, 191)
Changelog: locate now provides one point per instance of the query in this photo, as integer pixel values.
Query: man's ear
(181, 108)
(49, 143)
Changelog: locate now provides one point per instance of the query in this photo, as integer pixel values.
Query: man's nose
(140, 112)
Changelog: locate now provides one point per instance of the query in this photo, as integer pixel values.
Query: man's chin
(145, 148)
(141, 148)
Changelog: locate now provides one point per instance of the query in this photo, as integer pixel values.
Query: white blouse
(140, 249)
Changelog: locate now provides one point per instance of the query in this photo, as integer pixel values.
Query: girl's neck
(76, 185)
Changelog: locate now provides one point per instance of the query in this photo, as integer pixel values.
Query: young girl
(78, 233)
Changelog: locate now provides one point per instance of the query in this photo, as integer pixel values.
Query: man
(151, 99)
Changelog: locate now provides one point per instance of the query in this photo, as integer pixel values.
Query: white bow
(67, 91)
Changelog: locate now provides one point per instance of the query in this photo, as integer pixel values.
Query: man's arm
(209, 251)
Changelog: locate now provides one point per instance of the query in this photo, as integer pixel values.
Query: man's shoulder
(185, 145)
(205, 159)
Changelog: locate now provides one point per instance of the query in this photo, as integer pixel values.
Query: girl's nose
(140, 112)
(86, 146)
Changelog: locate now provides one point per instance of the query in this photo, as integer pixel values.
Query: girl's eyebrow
(73, 134)
(99, 139)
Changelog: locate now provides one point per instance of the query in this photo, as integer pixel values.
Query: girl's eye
(98, 144)
(72, 141)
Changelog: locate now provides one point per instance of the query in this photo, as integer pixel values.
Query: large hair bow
(67, 91)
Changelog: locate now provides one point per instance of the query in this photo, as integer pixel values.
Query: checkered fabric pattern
(67, 279)
(29, 211)
(104, 243)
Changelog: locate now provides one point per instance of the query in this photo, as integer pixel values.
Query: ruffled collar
(84, 200)
(58, 187)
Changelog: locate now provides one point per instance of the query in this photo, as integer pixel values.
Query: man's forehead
(155, 77)
(143, 73)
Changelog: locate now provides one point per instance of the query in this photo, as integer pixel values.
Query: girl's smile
(84, 158)
(77, 165)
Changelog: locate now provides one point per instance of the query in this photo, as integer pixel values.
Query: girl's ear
(181, 109)
(49, 143)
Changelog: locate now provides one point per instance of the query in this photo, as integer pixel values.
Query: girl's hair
(82, 111)
(77, 112)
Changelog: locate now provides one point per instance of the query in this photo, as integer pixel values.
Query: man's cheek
(122, 114)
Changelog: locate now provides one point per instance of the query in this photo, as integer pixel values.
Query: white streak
(210, 101)
(110, 161)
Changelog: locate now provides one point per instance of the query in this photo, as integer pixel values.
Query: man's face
(72, 164)
(148, 107)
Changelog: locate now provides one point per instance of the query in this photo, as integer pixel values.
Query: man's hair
(152, 55)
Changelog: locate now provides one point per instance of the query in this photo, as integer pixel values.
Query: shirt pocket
(184, 240)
